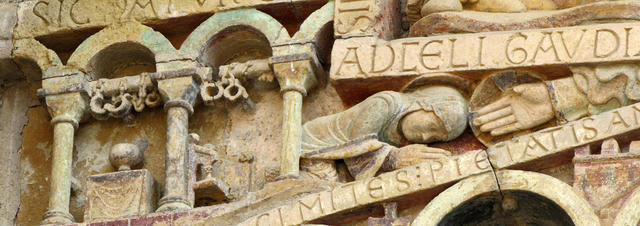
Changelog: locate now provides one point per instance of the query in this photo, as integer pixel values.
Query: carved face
(423, 127)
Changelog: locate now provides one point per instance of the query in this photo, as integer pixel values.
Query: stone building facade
(316, 112)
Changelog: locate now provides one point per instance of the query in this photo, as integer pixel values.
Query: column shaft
(60, 192)
(291, 134)
(176, 180)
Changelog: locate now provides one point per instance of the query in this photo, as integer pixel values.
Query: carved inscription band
(383, 187)
(370, 57)
(566, 137)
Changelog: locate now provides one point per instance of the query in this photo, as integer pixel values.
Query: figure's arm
(569, 103)
(348, 149)
(530, 105)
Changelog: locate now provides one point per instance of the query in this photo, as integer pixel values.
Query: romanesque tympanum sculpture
(429, 109)
(591, 90)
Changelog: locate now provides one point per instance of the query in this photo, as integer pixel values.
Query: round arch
(546, 186)
(199, 39)
(311, 26)
(129, 34)
(629, 213)
(34, 58)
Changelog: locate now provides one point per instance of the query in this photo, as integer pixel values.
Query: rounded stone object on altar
(125, 156)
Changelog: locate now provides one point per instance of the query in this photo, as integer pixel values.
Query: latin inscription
(48, 16)
(566, 137)
(385, 186)
(353, 16)
(370, 57)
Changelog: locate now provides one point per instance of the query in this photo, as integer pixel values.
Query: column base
(173, 204)
(57, 218)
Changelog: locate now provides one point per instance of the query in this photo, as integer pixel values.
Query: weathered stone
(605, 179)
(507, 183)
(8, 20)
(179, 95)
(426, 111)
(434, 6)
(471, 22)
(66, 110)
(119, 194)
(356, 59)
(386, 186)
(390, 217)
(8, 69)
(44, 17)
(296, 78)
(556, 140)
(378, 18)
(368, 65)
(125, 156)
(506, 96)
(16, 100)
(580, 73)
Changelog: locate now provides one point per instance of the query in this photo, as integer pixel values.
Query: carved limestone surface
(118, 98)
(386, 186)
(125, 156)
(50, 16)
(509, 101)
(606, 179)
(119, 194)
(390, 217)
(555, 140)
(471, 22)
(215, 177)
(320, 112)
(366, 134)
(369, 57)
(591, 90)
(378, 18)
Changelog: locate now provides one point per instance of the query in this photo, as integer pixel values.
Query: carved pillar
(179, 95)
(296, 76)
(67, 106)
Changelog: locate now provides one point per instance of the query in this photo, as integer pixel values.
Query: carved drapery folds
(432, 110)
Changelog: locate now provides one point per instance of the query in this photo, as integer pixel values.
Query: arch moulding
(630, 212)
(262, 22)
(119, 33)
(551, 188)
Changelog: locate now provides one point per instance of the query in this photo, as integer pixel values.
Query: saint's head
(438, 109)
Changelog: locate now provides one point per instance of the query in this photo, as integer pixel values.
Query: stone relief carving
(365, 135)
(123, 193)
(118, 97)
(591, 90)
(386, 148)
(210, 172)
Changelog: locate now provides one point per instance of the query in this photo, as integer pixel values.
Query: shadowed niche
(515, 208)
(122, 59)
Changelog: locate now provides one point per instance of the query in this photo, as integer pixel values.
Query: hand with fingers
(523, 107)
(414, 154)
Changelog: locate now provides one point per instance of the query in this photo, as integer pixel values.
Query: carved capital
(58, 81)
(67, 107)
(179, 91)
(296, 75)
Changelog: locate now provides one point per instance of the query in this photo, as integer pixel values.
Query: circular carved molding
(551, 188)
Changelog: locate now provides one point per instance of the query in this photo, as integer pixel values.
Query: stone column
(67, 103)
(66, 111)
(295, 77)
(179, 94)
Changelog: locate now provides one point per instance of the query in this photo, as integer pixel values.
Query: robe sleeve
(368, 118)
